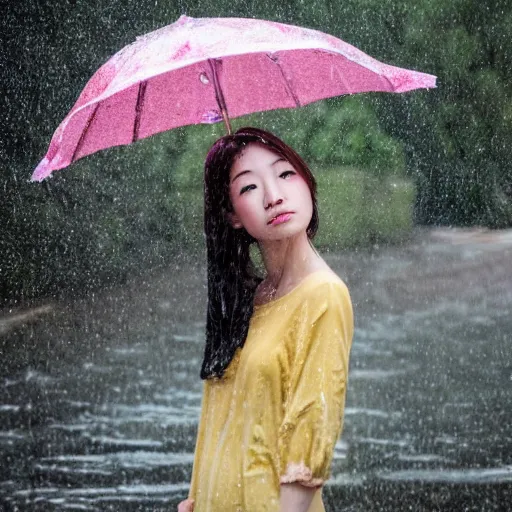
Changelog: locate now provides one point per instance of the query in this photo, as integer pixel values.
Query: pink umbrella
(205, 70)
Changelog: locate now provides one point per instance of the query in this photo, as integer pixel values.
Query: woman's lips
(284, 217)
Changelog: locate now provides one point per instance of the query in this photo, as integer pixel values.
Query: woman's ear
(234, 220)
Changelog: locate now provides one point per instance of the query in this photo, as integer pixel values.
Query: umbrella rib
(138, 109)
(84, 133)
(287, 83)
(219, 96)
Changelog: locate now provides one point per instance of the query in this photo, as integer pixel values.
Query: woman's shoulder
(319, 290)
(324, 283)
(327, 296)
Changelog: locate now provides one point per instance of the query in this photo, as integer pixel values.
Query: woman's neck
(289, 261)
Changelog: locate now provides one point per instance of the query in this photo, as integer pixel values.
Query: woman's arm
(296, 497)
(186, 506)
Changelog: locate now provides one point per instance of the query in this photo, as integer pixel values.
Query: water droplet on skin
(204, 79)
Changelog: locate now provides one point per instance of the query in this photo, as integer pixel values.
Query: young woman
(277, 348)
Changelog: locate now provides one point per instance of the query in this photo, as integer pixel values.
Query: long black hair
(232, 275)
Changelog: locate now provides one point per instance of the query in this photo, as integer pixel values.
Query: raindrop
(204, 79)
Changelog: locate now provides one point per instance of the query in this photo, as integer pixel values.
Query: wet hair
(232, 275)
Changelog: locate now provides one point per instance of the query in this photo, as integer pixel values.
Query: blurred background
(102, 279)
(438, 157)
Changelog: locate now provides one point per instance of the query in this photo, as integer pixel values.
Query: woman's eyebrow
(240, 174)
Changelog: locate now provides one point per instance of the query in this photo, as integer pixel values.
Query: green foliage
(358, 209)
(350, 136)
(457, 143)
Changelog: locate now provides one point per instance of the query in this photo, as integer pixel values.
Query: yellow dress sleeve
(316, 385)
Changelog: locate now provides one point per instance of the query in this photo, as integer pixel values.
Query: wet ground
(99, 397)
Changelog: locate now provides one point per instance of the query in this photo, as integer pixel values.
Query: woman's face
(270, 199)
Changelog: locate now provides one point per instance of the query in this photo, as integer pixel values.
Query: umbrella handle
(219, 96)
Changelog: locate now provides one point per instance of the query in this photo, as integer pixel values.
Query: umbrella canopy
(205, 70)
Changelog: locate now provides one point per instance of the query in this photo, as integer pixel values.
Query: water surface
(100, 396)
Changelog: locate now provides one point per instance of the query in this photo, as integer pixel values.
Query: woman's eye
(285, 174)
(246, 189)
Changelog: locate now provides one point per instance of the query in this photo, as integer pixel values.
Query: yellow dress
(276, 414)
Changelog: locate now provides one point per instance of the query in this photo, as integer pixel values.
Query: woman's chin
(285, 232)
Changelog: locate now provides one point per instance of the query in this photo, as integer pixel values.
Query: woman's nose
(273, 195)
(272, 198)
(271, 204)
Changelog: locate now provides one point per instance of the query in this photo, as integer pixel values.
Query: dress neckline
(299, 285)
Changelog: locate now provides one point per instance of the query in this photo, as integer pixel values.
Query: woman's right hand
(186, 506)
